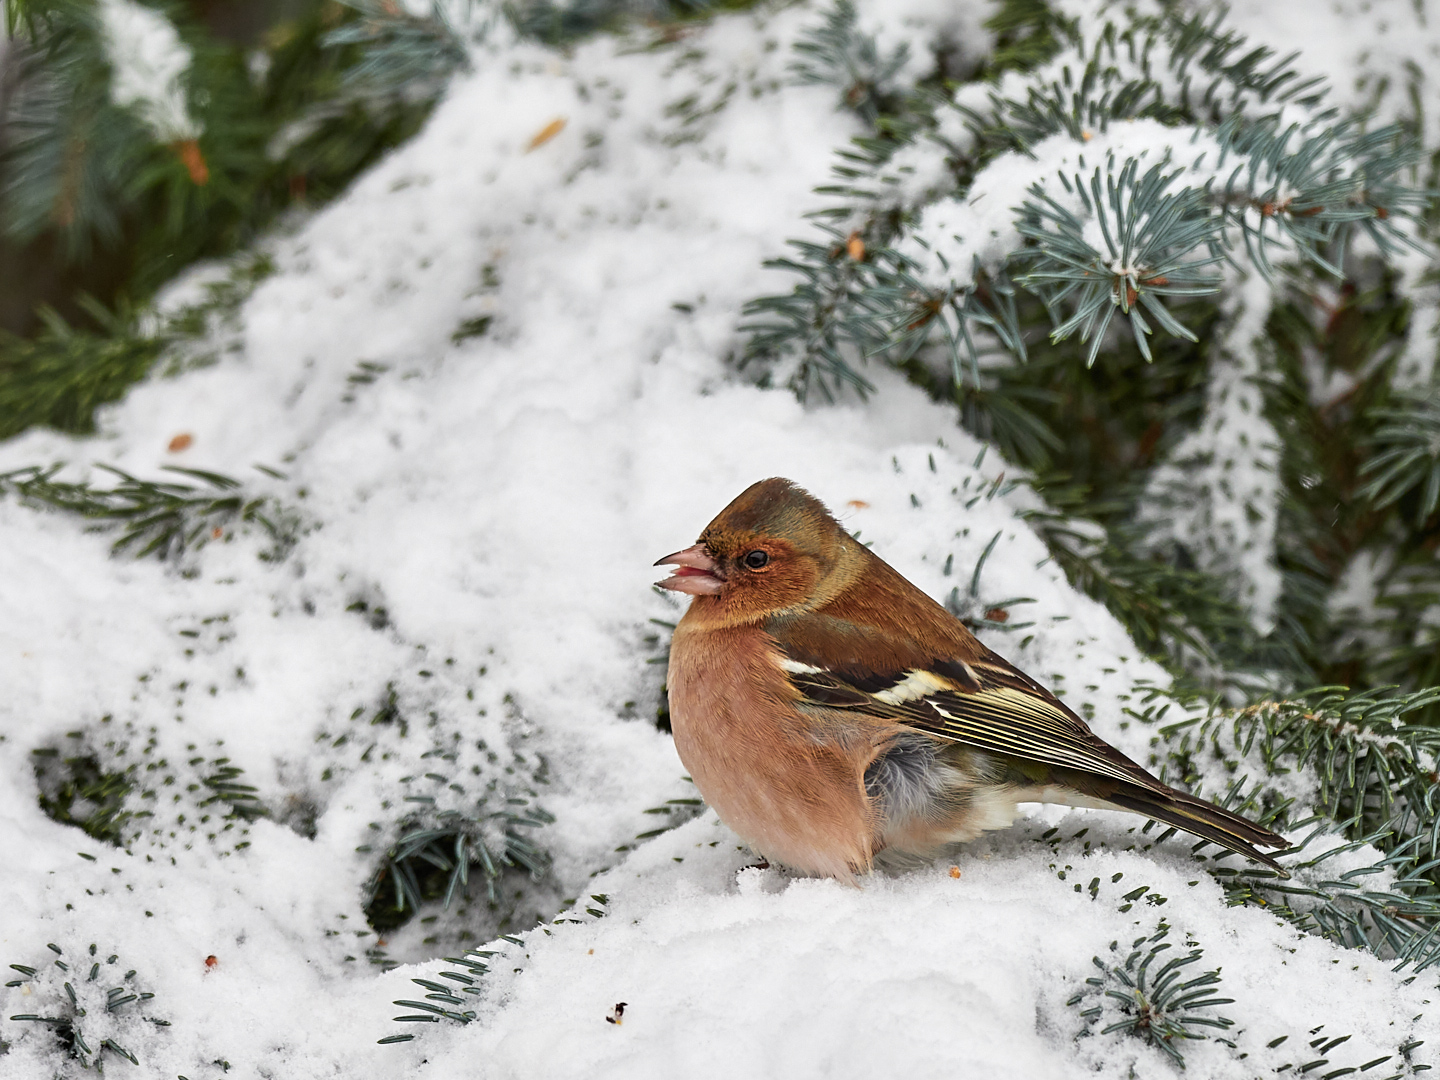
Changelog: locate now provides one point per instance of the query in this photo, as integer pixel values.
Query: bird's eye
(756, 559)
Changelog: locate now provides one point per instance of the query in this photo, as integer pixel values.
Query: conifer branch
(71, 992)
(837, 54)
(1147, 995)
(1407, 462)
(1378, 790)
(161, 518)
(1294, 190)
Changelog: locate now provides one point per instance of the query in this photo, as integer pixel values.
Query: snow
(501, 495)
(749, 974)
(148, 62)
(1219, 492)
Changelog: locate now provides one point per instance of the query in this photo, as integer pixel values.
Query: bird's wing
(982, 701)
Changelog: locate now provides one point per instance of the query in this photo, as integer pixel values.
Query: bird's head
(774, 549)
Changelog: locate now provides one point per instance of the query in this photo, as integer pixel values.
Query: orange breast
(790, 787)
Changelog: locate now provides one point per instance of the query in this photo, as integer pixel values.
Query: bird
(833, 714)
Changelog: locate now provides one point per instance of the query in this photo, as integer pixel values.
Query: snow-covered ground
(501, 496)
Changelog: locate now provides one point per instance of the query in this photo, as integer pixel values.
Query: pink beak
(697, 573)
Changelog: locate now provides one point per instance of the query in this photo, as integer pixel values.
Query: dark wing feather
(990, 705)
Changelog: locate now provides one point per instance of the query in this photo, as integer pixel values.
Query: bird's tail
(1204, 819)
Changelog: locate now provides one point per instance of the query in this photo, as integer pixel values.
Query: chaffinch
(829, 710)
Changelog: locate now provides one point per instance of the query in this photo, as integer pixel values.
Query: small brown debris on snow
(545, 134)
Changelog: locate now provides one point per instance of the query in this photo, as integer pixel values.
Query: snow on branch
(1152, 161)
(148, 62)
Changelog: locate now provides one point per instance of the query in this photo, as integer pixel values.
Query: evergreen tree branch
(165, 519)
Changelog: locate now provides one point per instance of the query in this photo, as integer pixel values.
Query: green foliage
(286, 125)
(1395, 915)
(79, 791)
(1324, 1043)
(124, 790)
(564, 23)
(165, 519)
(1352, 495)
(1147, 995)
(93, 173)
(1171, 612)
(1298, 188)
(1025, 36)
(973, 608)
(68, 150)
(62, 375)
(834, 313)
(443, 1002)
(438, 848)
(1150, 232)
(1378, 792)
(458, 814)
(222, 789)
(454, 823)
(1365, 863)
(834, 53)
(403, 56)
(1406, 465)
(86, 1004)
(447, 1002)
(670, 814)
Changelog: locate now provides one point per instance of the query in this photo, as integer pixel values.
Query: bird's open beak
(697, 573)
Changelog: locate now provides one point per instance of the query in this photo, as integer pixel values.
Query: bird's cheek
(782, 592)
